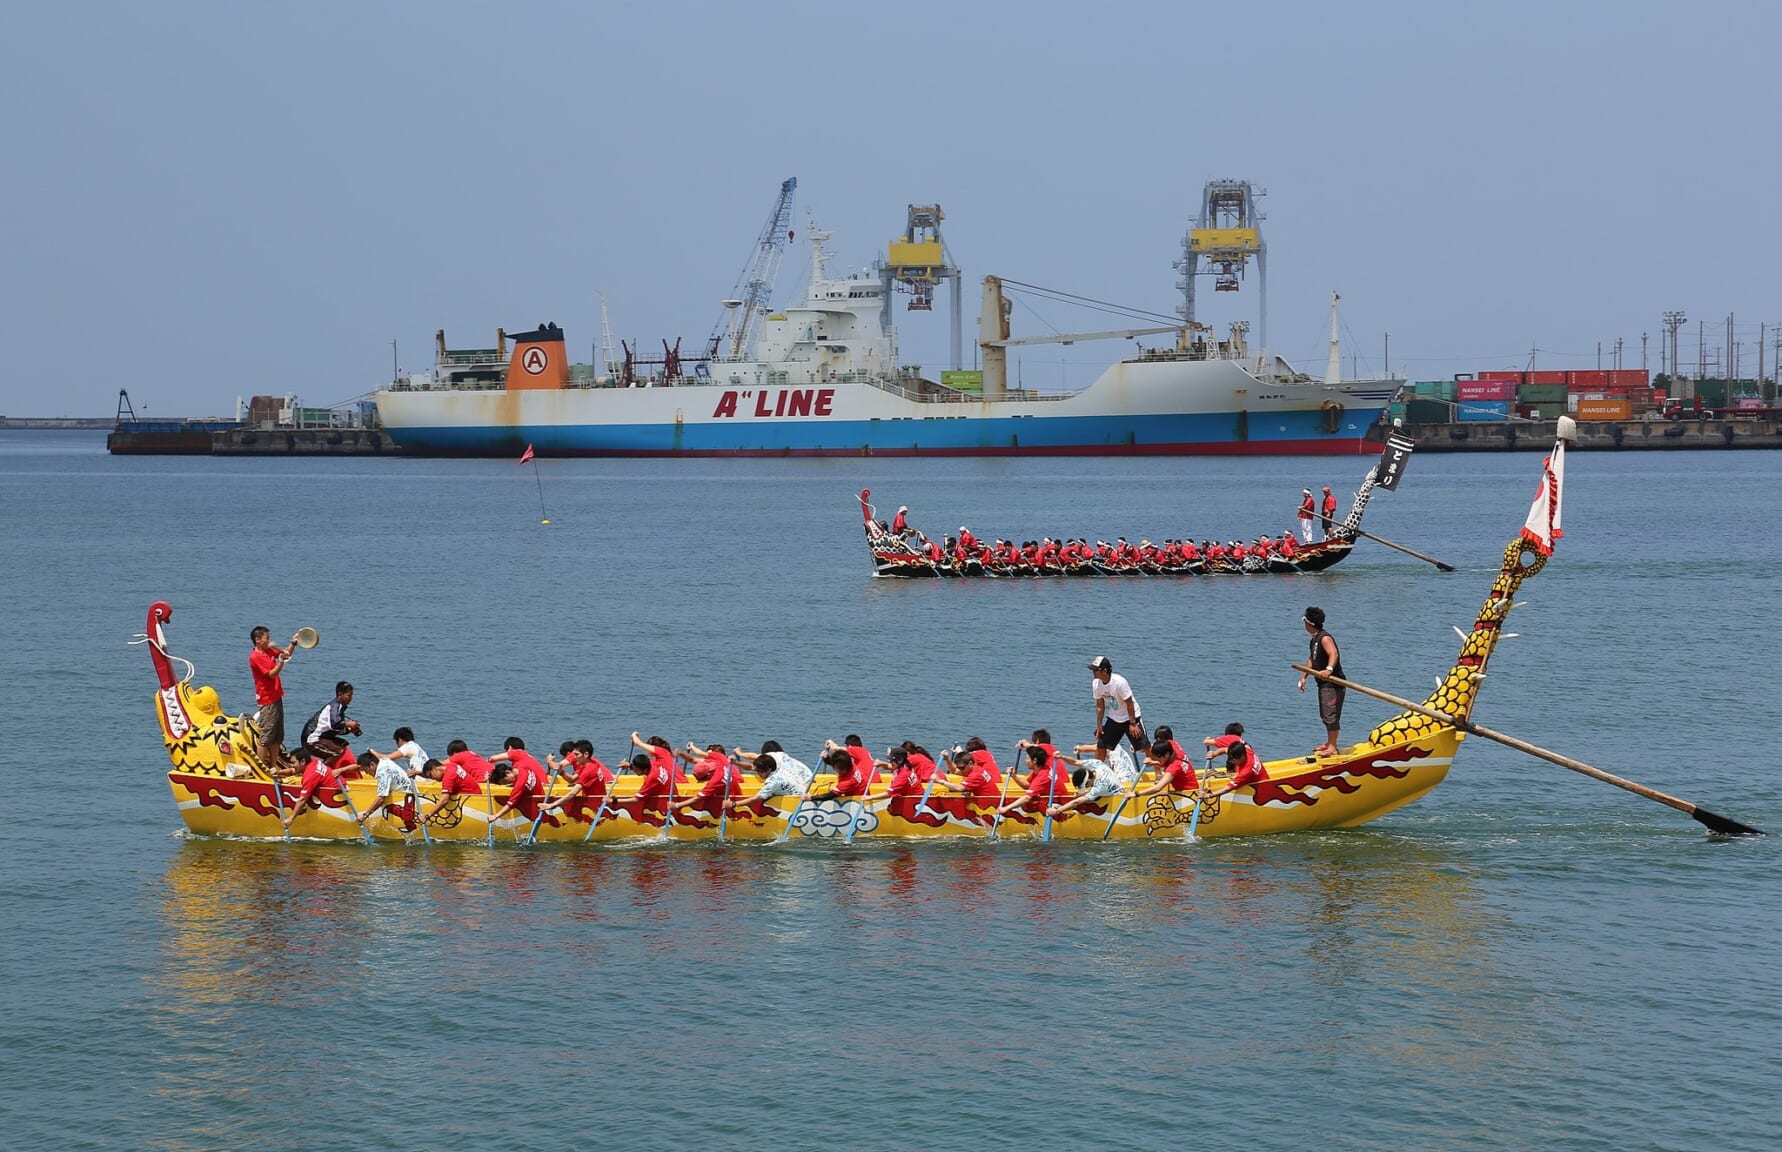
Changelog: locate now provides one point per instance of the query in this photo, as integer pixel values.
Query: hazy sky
(205, 200)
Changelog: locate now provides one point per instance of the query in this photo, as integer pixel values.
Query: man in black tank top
(1325, 660)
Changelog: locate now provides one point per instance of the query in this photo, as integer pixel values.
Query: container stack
(1608, 393)
(1487, 398)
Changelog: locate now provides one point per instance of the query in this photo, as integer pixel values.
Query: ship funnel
(539, 361)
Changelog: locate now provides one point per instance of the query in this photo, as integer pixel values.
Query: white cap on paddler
(1101, 664)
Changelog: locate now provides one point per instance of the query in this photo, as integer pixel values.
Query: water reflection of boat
(221, 788)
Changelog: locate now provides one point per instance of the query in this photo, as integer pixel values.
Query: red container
(1545, 377)
(1516, 376)
(1630, 378)
(1594, 380)
(1467, 391)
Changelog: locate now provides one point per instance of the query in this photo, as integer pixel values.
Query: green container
(1422, 410)
(1541, 394)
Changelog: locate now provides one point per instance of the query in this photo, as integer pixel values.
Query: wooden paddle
(1382, 540)
(341, 787)
(996, 820)
(278, 798)
(1713, 821)
(1051, 798)
(792, 816)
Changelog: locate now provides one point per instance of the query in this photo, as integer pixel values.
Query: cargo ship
(823, 378)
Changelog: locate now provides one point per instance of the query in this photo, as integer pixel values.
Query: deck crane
(747, 303)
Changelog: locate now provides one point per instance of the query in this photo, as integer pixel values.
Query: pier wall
(1597, 435)
(303, 442)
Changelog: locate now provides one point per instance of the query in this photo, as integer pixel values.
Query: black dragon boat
(908, 554)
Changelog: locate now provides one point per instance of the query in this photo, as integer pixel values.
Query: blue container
(1483, 410)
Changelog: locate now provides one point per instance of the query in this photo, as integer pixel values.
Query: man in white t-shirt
(1116, 712)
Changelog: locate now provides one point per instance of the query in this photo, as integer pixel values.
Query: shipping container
(1546, 377)
(1421, 410)
(1630, 378)
(1466, 390)
(1483, 410)
(1594, 380)
(1515, 376)
(1440, 389)
(1542, 393)
(1603, 409)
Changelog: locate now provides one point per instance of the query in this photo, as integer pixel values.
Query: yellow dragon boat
(222, 789)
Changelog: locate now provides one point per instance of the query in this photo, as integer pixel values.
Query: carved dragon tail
(1346, 530)
(1525, 556)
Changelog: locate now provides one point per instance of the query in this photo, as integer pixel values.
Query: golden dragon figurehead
(199, 737)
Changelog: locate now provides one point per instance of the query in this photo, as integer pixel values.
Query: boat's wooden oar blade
(1390, 544)
(1714, 822)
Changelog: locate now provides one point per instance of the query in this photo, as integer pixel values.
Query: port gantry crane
(1226, 235)
(747, 304)
(915, 263)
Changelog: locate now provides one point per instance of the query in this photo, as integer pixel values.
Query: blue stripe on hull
(1212, 433)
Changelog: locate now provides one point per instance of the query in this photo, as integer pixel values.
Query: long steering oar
(1713, 821)
(1390, 544)
(489, 792)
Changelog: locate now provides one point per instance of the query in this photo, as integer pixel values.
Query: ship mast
(606, 339)
(1333, 367)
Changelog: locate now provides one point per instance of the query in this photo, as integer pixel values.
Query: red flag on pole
(526, 455)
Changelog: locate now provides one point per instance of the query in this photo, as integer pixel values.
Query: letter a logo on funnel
(535, 361)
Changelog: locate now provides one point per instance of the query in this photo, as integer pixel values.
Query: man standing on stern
(1325, 661)
(267, 661)
(1116, 712)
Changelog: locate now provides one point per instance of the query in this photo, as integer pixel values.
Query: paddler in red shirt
(1047, 782)
(1308, 509)
(1245, 767)
(592, 780)
(856, 776)
(723, 783)
(315, 774)
(1175, 773)
(530, 784)
(1330, 506)
(664, 774)
(701, 762)
(461, 773)
(981, 779)
(900, 523)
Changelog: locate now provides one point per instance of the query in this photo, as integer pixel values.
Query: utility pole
(1672, 322)
(1599, 355)
(1701, 349)
(1728, 373)
(1760, 335)
(395, 364)
(1643, 367)
(1388, 355)
(1617, 353)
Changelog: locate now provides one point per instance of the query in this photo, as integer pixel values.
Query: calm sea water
(1523, 959)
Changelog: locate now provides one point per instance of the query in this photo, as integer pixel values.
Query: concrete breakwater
(1604, 435)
